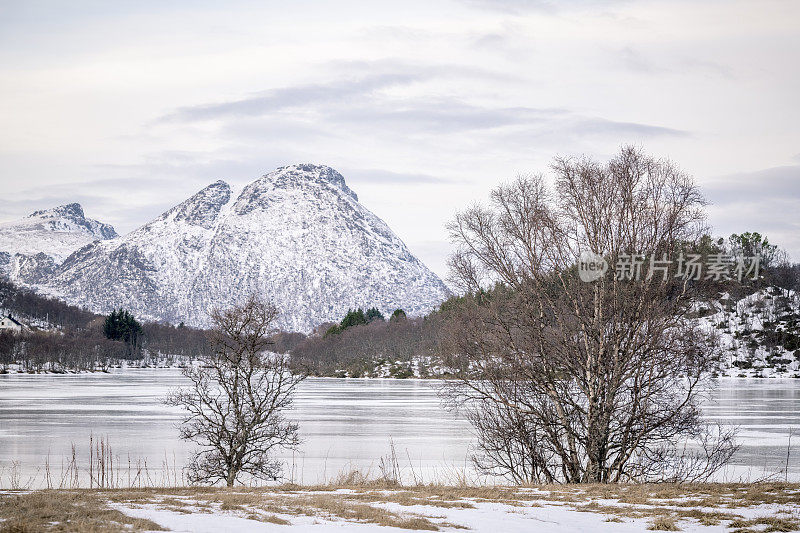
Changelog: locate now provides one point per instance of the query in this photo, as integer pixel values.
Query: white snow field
(480, 516)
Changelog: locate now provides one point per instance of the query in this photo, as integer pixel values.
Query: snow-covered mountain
(31, 248)
(297, 235)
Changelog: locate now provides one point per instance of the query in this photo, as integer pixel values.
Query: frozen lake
(344, 424)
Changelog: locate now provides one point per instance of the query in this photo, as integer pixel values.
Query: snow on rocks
(759, 334)
(32, 247)
(297, 235)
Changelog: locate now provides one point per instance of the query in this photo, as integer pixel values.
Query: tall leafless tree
(237, 399)
(572, 381)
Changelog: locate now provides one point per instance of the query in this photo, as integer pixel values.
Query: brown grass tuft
(664, 523)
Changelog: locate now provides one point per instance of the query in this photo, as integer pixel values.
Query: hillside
(759, 333)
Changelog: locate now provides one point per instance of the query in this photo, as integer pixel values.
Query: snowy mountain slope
(31, 247)
(297, 235)
(759, 334)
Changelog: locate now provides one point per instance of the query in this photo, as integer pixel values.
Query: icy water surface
(344, 424)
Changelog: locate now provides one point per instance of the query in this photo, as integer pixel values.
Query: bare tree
(237, 399)
(573, 381)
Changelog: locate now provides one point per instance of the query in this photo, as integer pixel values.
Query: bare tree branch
(237, 398)
(573, 381)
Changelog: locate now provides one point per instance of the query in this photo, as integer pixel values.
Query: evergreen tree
(353, 318)
(120, 325)
(111, 325)
(374, 314)
(398, 315)
(750, 244)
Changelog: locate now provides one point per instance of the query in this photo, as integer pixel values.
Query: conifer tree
(374, 314)
(353, 318)
(121, 325)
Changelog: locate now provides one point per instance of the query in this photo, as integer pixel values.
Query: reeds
(98, 466)
(103, 469)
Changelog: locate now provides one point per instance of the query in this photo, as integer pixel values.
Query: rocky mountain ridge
(32, 247)
(297, 235)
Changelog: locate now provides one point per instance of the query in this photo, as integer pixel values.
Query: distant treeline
(66, 350)
(352, 347)
(26, 303)
(66, 337)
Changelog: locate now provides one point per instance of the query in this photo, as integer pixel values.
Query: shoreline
(114, 370)
(383, 506)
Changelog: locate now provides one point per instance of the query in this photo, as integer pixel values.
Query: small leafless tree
(572, 381)
(237, 399)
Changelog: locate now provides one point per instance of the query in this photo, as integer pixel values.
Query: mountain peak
(46, 237)
(70, 218)
(311, 171)
(73, 211)
(203, 207)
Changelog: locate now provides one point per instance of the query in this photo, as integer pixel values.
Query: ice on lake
(344, 424)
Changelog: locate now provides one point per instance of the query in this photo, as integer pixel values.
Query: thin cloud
(633, 59)
(518, 7)
(778, 183)
(442, 115)
(363, 79)
(378, 176)
(288, 97)
(358, 107)
(602, 126)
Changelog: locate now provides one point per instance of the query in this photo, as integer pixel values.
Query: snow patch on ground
(535, 510)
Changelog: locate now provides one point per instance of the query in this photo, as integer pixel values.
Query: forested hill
(757, 324)
(64, 337)
(41, 312)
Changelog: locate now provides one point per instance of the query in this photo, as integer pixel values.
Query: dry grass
(665, 507)
(755, 493)
(325, 505)
(273, 519)
(64, 511)
(664, 523)
(407, 498)
(265, 506)
(773, 523)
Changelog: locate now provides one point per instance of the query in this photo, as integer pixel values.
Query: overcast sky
(130, 107)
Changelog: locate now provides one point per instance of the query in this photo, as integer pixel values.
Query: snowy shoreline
(376, 506)
(15, 369)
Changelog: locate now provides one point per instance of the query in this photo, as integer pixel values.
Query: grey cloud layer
(363, 105)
